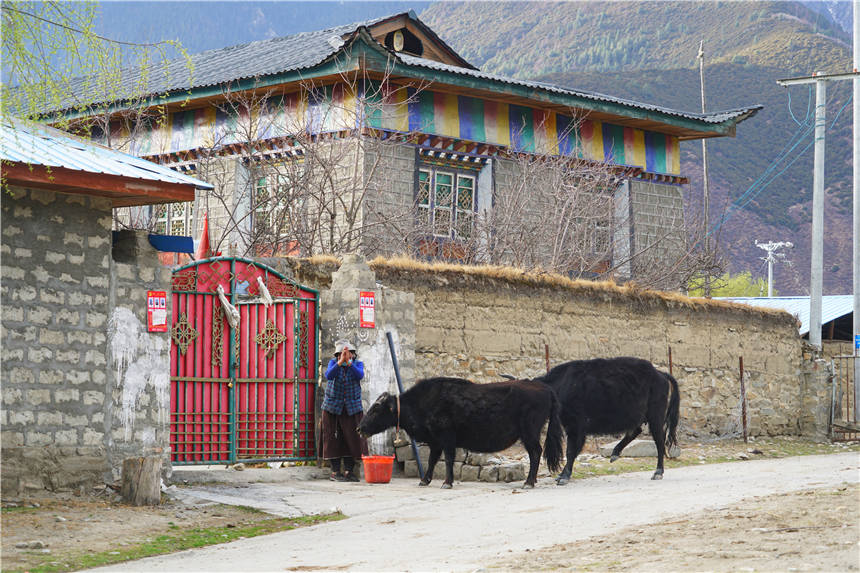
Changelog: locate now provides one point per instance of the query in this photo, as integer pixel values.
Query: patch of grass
(179, 540)
(18, 509)
(715, 453)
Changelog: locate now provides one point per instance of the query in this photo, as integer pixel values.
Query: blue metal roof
(832, 306)
(35, 144)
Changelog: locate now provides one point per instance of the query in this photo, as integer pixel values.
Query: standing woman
(342, 412)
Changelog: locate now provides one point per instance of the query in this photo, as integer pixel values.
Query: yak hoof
(528, 485)
(446, 486)
(613, 458)
(657, 475)
(423, 483)
(562, 480)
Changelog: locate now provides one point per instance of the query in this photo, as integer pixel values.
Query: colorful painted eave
(360, 49)
(695, 126)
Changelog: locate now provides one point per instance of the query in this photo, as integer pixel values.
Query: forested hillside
(646, 51)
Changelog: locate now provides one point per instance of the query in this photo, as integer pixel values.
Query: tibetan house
(378, 137)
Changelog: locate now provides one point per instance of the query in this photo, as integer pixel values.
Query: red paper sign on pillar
(156, 311)
(367, 309)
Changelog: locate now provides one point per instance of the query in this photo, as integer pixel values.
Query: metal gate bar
(844, 421)
(246, 393)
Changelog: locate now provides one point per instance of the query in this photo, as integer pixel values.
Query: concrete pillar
(394, 312)
(137, 392)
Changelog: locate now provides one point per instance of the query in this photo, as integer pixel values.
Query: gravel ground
(809, 530)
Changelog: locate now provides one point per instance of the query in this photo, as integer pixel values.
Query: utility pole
(817, 271)
(856, 163)
(706, 198)
(772, 257)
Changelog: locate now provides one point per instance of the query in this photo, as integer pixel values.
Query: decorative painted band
(407, 110)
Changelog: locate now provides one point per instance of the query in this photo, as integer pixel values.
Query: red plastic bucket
(377, 469)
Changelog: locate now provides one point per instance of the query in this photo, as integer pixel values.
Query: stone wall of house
(56, 252)
(656, 221)
(390, 169)
(69, 417)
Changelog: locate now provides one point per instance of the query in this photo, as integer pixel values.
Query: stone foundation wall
(479, 327)
(56, 255)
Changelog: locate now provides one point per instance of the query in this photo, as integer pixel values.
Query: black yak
(611, 396)
(450, 413)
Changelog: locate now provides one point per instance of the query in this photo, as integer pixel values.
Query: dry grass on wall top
(319, 268)
(628, 292)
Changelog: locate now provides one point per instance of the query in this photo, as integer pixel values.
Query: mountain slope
(532, 39)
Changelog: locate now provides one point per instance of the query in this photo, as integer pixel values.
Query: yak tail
(672, 414)
(552, 448)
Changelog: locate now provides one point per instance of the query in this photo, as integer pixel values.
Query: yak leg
(628, 437)
(574, 446)
(655, 425)
(435, 452)
(532, 444)
(449, 448)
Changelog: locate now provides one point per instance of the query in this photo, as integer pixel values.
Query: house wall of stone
(60, 388)
(55, 292)
(656, 218)
(390, 171)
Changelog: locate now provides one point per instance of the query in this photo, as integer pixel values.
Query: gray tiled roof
(224, 65)
(306, 50)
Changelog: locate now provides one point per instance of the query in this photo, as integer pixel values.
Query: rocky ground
(814, 530)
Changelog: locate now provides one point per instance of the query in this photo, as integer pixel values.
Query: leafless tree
(305, 172)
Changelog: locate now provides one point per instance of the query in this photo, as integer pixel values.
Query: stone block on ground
(404, 453)
(513, 471)
(469, 472)
(489, 474)
(638, 449)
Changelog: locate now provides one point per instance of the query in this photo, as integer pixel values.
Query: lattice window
(277, 207)
(446, 203)
(423, 199)
(173, 219)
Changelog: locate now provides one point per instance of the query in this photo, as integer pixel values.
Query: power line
(760, 184)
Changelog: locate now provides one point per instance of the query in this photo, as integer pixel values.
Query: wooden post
(141, 480)
(670, 362)
(743, 398)
(546, 355)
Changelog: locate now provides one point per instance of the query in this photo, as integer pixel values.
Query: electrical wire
(761, 184)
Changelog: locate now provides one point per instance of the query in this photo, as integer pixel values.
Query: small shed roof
(832, 306)
(34, 155)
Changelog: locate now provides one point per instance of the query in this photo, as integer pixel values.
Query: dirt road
(400, 527)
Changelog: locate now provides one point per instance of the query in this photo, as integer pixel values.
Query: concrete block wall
(137, 412)
(339, 318)
(56, 253)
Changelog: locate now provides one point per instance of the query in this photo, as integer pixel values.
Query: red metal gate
(244, 393)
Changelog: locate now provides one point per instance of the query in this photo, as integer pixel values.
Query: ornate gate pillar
(340, 318)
